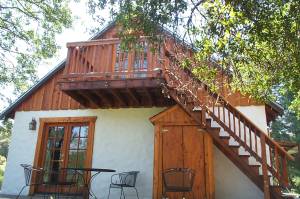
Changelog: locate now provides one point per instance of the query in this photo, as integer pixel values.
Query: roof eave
(9, 110)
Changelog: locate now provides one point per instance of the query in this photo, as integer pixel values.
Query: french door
(63, 145)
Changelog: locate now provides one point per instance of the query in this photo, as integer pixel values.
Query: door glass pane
(75, 131)
(54, 153)
(77, 150)
(81, 158)
(73, 156)
(84, 131)
(78, 146)
(82, 143)
(74, 143)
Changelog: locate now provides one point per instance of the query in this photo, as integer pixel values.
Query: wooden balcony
(99, 73)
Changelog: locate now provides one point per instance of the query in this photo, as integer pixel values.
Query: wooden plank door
(172, 152)
(193, 152)
(183, 147)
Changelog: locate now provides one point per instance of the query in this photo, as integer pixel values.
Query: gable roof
(9, 111)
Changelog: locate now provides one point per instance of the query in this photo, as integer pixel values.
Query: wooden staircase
(248, 147)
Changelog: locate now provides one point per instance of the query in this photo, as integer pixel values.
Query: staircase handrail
(264, 138)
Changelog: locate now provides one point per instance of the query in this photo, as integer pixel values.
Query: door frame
(90, 120)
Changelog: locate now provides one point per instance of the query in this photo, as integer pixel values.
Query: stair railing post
(200, 94)
(285, 179)
(266, 180)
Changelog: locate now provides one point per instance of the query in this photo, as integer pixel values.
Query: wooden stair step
(235, 148)
(255, 168)
(225, 139)
(245, 157)
(232, 154)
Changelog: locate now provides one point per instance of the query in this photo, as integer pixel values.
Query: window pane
(82, 143)
(81, 158)
(50, 143)
(56, 131)
(46, 177)
(75, 131)
(59, 143)
(72, 155)
(47, 160)
(72, 163)
(74, 143)
(84, 131)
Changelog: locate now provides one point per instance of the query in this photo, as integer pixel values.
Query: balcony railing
(104, 59)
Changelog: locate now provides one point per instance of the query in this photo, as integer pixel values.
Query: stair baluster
(253, 140)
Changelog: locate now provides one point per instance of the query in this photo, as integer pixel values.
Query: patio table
(83, 172)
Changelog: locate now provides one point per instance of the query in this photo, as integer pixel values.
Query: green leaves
(287, 127)
(27, 31)
(258, 42)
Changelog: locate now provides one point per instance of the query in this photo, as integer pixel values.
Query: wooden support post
(266, 179)
(157, 168)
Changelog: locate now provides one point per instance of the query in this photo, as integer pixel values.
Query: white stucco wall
(123, 141)
(230, 182)
(257, 114)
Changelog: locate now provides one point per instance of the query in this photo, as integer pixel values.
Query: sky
(78, 32)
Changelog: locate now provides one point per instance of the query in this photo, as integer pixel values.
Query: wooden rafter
(149, 96)
(108, 102)
(77, 97)
(92, 99)
(133, 97)
(118, 97)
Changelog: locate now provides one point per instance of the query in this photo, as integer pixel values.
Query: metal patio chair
(178, 180)
(124, 180)
(29, 171)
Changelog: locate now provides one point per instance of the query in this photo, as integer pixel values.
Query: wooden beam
(116, 84)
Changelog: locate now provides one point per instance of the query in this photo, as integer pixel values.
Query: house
(108, 108)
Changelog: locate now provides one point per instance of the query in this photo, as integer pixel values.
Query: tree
(5, 133)
(257, 41)
(27, 30)
(287, 127)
